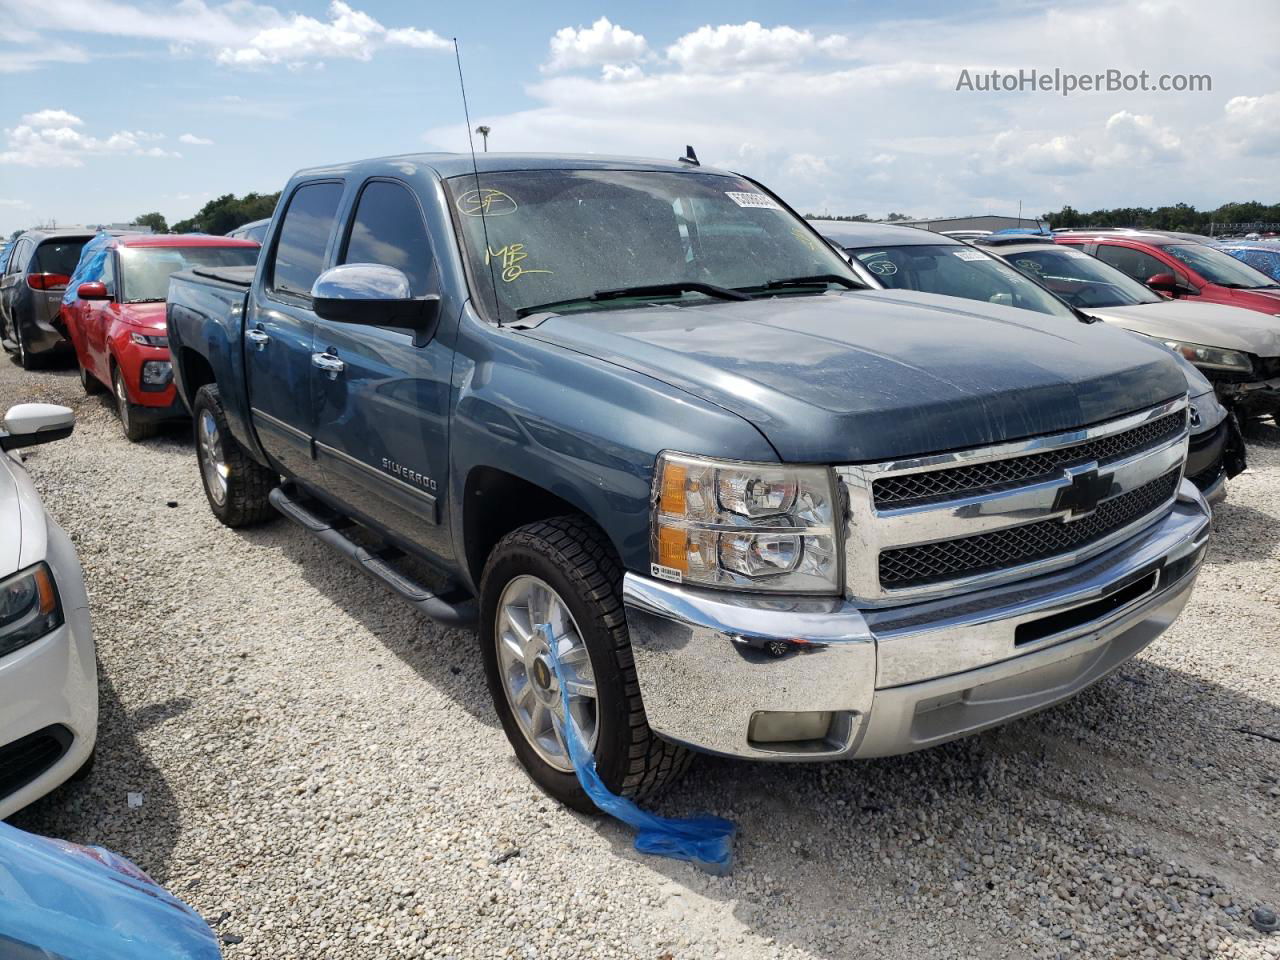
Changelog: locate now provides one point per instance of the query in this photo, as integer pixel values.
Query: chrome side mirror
(373, 294)
(29, 424)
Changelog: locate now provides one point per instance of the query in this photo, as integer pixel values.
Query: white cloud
(238, 33)
(1252, 124)
(748, 46)
(37, 53)
(52, 141)
(1137, 138)
(348, 34)
(193, 140)
(601, 43)
(51, 118)
(418, 39)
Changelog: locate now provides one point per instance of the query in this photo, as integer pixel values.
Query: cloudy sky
(112, 108)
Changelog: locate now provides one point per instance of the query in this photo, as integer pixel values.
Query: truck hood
(1210, 324)
(880, 375)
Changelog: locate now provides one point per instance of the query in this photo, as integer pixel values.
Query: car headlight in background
(149, 340)
(745, 526)
(1213, 358)
(29, 608)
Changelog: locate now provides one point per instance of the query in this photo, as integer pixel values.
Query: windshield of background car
(1218, 267)
(559, 235)
(58, 256)
(144, 271)
(956, 270)
(1082, 280)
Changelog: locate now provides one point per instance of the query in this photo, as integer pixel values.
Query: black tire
(134, 429)
(90, 383)
(574, 557)
(26, 359)
(248, 483)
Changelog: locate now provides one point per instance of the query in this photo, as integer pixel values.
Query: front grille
(968, 556)
(912, 488)
(30, 756)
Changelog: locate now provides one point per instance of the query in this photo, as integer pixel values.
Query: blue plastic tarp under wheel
(63, 901)
(705, 840)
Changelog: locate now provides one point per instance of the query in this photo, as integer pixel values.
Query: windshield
(1218, 267)
(145, 270)
(560, 236)
(955, 270)
(1081, 280)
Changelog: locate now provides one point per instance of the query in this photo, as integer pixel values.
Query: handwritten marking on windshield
(510, 257)
(488, 203)
(803, 236)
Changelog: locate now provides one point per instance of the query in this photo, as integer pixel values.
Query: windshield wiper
(817, 279)
(641, 291)
(147, 300)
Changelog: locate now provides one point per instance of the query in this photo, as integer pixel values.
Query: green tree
(225, 213)
(899, 216)
(155, 221)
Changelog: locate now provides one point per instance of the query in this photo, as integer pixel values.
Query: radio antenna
(481, 202)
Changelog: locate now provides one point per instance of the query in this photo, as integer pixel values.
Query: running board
(328, 530)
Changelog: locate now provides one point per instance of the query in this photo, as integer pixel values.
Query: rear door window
(388, 229)
(304, 238)
(18, 256)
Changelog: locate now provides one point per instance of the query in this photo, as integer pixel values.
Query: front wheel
(237, 486)
(563, 573)
(135, 429)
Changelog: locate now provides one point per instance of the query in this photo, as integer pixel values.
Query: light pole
(484, 132)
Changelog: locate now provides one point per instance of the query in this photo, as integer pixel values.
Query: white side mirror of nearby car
(28, 424)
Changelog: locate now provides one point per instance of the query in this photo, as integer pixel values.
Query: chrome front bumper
(903, 678)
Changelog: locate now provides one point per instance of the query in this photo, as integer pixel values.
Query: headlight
(149, 340)
(29, 608)
(745, 526)
(1213, 358)
(156, 374)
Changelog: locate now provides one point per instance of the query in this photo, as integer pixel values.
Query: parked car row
(738, 491)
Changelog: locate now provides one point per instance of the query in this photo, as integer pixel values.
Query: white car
(48, 668)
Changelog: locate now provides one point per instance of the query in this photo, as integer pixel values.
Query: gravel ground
(323, 774)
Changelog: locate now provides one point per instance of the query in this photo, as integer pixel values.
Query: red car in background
(1180, 267)
(117, 324)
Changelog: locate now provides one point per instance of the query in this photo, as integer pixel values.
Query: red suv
(1180, 267)
(115, 318)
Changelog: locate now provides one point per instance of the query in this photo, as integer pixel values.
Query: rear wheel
(26, 359)
(90, 383)
(236, 485)
(563, 573)
(134, 428)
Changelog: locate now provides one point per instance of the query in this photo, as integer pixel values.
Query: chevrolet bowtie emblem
(1087, 488)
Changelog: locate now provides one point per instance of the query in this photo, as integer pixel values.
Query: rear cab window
(303, 240)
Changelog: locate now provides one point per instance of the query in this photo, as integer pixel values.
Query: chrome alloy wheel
(528, 679)
(122, 399)
(212, 463)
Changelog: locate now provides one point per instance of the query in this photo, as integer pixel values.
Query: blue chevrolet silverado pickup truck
(764, 511)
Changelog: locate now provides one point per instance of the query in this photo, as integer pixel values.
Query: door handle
(328, 363)
(258, 338)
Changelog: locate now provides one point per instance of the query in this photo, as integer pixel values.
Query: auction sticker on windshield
(969, 255)
(752, 200)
